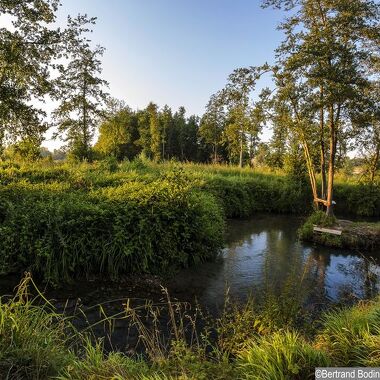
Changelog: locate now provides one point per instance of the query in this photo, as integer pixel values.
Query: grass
(38, 343)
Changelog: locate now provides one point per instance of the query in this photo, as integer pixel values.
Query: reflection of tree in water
(364, 274)
(318, 264)
(292, 280)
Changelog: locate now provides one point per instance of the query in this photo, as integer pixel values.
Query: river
(262, 257)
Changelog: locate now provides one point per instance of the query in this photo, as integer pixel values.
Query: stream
(262, 256)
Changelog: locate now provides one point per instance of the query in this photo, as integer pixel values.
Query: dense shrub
(60, 233)
(242, 197)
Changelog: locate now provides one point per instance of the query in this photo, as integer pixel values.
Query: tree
(234, 134)
(369, 142)
(166, 126)
(79, 89)
(322, 75)
(212, 125)
(180, 130)
(27, 51)
(118, 132)
(255, 127)
(155, 131)
(190, 136)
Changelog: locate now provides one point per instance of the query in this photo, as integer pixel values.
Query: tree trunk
(322, 147)
(241, 150)
(330, 184)
(375, 162)
(251, 152)
(163, 143)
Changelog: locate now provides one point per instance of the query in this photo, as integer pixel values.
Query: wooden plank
(327, 230)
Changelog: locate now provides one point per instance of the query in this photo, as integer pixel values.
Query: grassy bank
(72, 220)
(357, 235)
(38, 343)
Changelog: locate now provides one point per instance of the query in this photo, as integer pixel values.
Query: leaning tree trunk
(330, 184)
(322, 149)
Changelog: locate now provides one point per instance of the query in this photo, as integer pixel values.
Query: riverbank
(66, 221)
(36, 342)
(333, 232)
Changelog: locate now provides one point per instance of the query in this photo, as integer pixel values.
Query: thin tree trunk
(241, 150)
(375, 163)
(251, 152)
(84, 121)
(330, 184)
(163, 143)
(322, 147)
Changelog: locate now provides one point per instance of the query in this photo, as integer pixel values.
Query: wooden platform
(327, 230)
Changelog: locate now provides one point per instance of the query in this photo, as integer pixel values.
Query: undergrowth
(36, 342)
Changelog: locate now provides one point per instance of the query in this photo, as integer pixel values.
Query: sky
(177, 52)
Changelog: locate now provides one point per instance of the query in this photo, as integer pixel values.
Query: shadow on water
(263, 258)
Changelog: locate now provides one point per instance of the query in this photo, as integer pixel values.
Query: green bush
(242, 197)
(61, 234)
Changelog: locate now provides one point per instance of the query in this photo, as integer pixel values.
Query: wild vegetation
(38, 343)
(64, 221)
(153, 193)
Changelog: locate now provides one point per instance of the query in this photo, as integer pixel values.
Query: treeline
(161, 134)
(158, 134)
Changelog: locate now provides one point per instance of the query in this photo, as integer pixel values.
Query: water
(262, 256)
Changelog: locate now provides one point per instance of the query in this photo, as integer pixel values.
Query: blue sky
(177, 52)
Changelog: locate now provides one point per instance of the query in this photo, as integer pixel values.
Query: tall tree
(212, 125)
(155, 131)
(180, 128)
(166, 126)
(118, 132)
(191, 138)
(80, 90)
(323, 59)
(27, 52)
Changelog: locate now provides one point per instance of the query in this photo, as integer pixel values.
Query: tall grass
(38, 343)
(34, 339)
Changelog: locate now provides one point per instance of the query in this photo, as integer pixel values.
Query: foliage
(28, 48)
(34, 339)
(66, 230)
(79, 89)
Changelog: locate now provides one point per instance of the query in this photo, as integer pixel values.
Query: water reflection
(264, 255)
